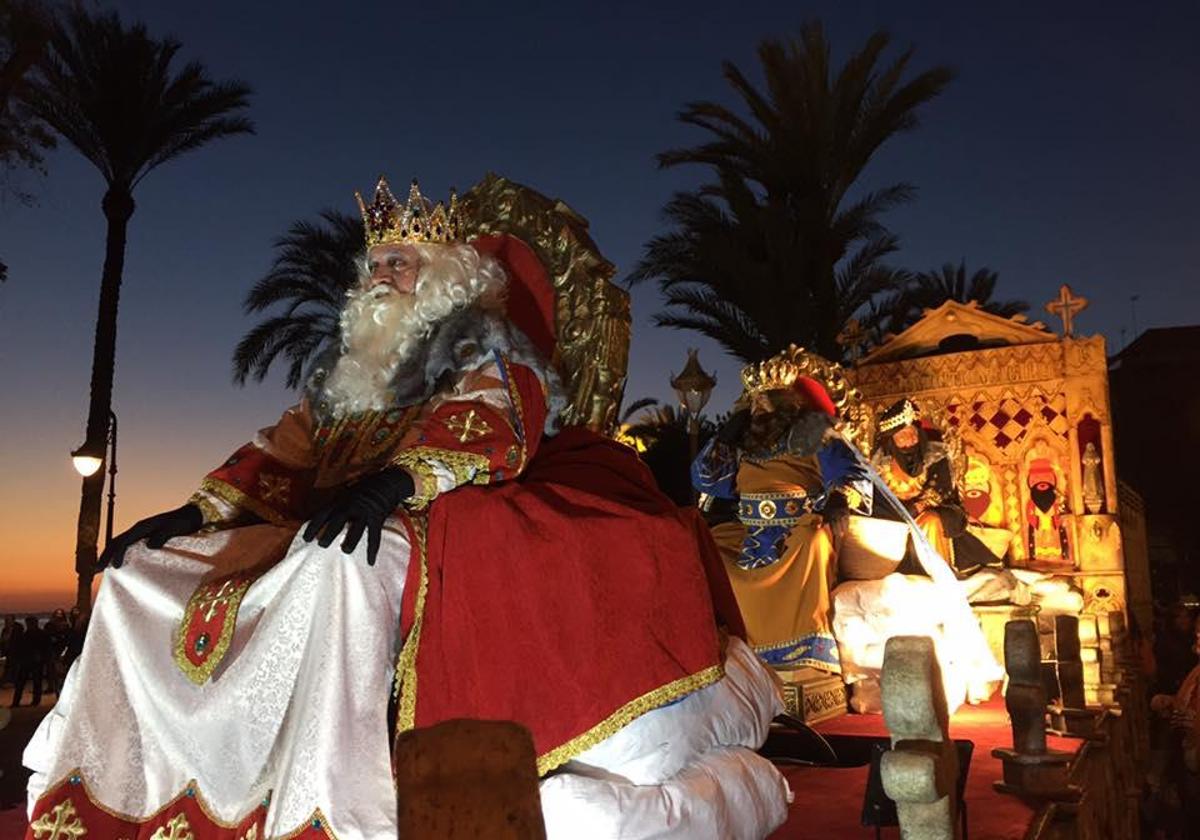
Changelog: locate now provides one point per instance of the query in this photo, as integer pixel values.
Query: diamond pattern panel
(1011, 419)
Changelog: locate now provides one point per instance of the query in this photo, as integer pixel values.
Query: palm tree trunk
(118, 208)
(825, 307)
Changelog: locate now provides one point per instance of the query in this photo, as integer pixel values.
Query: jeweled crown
(903, 413)
(387, 221)
(775, 374)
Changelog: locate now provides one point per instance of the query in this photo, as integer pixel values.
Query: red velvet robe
(551, 583)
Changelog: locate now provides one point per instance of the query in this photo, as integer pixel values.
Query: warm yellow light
(86, 465)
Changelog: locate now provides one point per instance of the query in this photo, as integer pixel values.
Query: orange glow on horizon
(38, 517)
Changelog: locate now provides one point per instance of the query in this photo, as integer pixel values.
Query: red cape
(571, 600)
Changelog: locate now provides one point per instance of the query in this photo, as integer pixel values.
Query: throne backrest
(591, 319)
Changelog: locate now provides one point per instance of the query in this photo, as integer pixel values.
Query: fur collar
(460, 341)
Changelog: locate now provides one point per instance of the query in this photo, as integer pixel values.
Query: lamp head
(693, 385)
(87, 460)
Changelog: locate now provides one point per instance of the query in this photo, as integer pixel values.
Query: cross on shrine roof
(1066, 306)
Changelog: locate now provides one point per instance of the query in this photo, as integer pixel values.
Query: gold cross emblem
(1066, 306)
(212, 601)
(60, 824)
(468, 426)
(274, 488)
(177, 828)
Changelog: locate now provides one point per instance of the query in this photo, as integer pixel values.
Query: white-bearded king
(417, 529)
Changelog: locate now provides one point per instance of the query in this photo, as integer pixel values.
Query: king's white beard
(381, 330)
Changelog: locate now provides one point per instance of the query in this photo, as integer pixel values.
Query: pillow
(730, 793)
(735, 711)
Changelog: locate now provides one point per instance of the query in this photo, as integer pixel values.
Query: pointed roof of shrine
(954, 327)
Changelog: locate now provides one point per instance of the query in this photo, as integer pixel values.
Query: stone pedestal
(1030, 768)
(920, 772)
(992, 619)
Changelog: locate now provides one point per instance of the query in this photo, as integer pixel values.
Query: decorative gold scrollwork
(177, 828)
(61, 823)
(592, 320)
(854, 418)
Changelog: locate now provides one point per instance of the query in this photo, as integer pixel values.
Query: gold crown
(387, 221)
(906, 414)
(776, 373)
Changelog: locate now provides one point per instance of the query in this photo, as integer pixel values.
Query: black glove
(155, 530)
(836, 514)
(363, 506)
(731, 430)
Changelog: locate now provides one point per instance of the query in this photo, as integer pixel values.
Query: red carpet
(829, 801)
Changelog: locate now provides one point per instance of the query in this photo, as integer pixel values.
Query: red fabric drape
(558, 599)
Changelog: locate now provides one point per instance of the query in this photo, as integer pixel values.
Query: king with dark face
(781, 487)
(919, 471)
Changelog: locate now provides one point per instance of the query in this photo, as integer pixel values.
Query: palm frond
(771, 250)
(114, 93)
(315, 265)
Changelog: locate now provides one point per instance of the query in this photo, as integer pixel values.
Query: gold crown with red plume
(776, 373)
(387, 221)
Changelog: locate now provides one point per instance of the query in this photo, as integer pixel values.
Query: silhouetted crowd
(1173, 671)
(37, 655)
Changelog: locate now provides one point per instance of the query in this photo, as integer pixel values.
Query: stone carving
(920, 772)
(1030, 769)
(1021, 364)
(1093, 480)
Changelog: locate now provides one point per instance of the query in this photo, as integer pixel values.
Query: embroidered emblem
(512, 456)
(208, 623)
(177, 828)
(274, 488)
(59, 824)
(468, 426)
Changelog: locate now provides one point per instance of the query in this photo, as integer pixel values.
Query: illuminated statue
(422, 527)
(1093, 480)
(920, 471)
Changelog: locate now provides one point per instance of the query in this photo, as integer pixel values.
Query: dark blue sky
(1066, 151)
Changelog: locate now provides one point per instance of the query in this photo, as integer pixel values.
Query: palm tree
(313, 270)
(113, 93)
(930, 289)
(775, 249)
(24, 31)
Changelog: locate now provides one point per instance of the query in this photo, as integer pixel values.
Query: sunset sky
(1066, 151)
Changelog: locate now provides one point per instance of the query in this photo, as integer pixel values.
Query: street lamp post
(90, 457)
(693, 386)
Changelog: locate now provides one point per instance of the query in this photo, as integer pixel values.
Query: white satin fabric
(297, 711)
(728, 793)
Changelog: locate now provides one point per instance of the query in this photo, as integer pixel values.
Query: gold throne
(592, 321)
